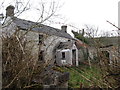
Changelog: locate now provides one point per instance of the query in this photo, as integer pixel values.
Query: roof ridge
(26, 24)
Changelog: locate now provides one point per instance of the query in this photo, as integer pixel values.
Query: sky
(92, 12)
(78, 13)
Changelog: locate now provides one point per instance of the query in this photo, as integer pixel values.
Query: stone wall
(113, 53)
(112, 50)
(92, 52)
(83, 54)
(32, 38)
(50, 43)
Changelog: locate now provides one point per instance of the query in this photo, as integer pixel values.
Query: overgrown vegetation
(109, 70)
(20, 68)
(85, 77)
(19, 65)
(80, 36)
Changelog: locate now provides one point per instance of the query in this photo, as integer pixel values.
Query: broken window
(63, 55)
(40, 39)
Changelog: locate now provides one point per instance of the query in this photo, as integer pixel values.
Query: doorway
(74, 57)
(106, 55)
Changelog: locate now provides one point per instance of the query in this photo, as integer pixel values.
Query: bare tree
(19, 67)
(91, 31)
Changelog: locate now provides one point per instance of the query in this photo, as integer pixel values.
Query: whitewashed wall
(68, 56)
(67, 59)
(74, 47)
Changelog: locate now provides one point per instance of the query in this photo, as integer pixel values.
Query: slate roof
(104, 41)
(80, 44)
(40, 28)
(65, 45)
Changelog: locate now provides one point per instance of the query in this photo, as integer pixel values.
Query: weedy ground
(84, 76)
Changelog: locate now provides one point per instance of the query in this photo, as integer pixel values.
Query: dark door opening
(106, 55)
(63, 55)
(74, 57)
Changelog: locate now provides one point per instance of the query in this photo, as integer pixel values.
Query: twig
(113, 25)
(30, 85)
(13, 79)
(20, 44)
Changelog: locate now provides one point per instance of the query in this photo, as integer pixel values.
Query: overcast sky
(79, 13)
(94, 12)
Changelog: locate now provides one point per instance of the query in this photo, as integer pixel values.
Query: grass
(83, 76)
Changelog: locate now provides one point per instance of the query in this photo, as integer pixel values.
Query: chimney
(10, 11)
(64, 28)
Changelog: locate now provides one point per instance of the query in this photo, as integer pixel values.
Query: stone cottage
(111, 54)
(107, 46)
(49, 44)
